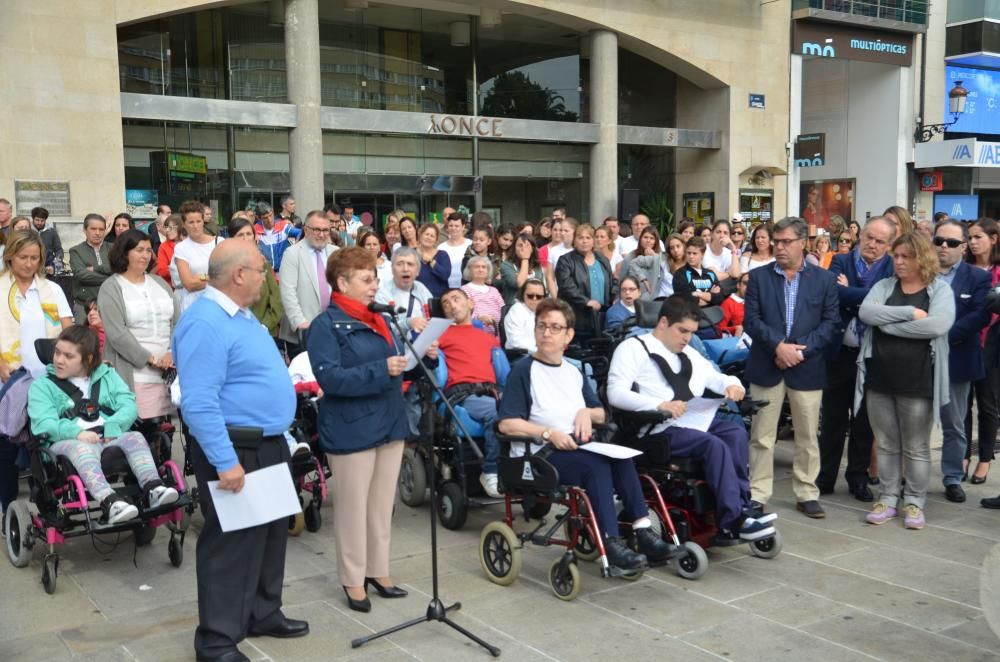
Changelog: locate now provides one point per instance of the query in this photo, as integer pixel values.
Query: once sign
(466, 125)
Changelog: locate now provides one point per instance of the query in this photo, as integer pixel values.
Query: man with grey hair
(405, 291)
(240, 573)
(856, 272)
(288, 210)
(792, 316)
(302, 279)
(6, 209)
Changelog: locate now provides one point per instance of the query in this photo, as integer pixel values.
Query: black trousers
(239, 573)
(8, 473)
(839, 420)
(987, 394)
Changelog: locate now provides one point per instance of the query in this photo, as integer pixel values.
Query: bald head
(236, 268)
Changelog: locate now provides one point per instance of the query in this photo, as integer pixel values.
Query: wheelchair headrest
(435, 308)
(46, 349)
(711, 316)
(647, 313)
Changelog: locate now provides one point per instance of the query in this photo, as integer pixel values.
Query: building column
(305, 141)
(792, 202)
(604, 112)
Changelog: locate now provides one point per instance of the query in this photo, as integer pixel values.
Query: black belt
(248, 437)
(460, 392)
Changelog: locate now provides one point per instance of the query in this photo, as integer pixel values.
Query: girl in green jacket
(82, 407)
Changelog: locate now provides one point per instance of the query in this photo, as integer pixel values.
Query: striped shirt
(791, 295)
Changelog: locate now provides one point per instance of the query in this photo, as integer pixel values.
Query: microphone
(385, 308)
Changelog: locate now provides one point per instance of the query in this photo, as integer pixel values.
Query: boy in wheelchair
(548, 398)
(661, 371)
(81, 408)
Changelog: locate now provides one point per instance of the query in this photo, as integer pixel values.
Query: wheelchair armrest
(645, 417)
(748, 406)
(519, 439)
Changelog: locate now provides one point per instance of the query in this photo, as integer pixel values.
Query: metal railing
(901, 11)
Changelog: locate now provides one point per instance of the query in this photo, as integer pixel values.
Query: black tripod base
(436, 611)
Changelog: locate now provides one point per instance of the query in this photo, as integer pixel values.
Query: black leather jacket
(573, 281)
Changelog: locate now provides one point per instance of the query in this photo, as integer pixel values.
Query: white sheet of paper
(268, 494)
(613, 451)
(700, 413)
(435, 327)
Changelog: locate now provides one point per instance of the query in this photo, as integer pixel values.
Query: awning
(963, 153)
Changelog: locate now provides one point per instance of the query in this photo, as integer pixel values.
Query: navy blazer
(854, 292)
(362, 406)
(965, 354)
(815, 325)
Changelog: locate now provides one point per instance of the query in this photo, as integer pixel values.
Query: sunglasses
(534, 297)
(952, 243)
(843, 241)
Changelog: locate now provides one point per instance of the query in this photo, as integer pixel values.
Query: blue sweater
(231, 374)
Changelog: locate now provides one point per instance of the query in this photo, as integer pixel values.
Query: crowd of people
(883, 327)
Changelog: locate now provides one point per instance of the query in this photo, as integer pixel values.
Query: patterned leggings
(86, 458)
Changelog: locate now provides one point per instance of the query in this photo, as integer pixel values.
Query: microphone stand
(436, 610)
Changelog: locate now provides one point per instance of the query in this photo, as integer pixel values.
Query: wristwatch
(546, 435)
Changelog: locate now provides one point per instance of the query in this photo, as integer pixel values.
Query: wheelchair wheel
(412, 478)
(19, 541)
(538, 511)
(693, 564)
(175, 552)
(144, 536)
(767, 548)
(296, 523)
(633, 576)
(451, 506)
(586, 548)
(50, 573)
(500, 553)
(313, 516)
(564, 579)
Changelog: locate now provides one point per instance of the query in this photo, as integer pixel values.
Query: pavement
(839, 590)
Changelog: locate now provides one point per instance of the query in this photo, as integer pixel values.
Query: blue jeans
(483, 410)
(953, 430)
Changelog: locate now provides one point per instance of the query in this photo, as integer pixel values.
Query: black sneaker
(651, 545)
(620, 556)
(756, 511)
(954, 493)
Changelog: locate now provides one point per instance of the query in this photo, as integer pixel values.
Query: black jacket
(573, 281)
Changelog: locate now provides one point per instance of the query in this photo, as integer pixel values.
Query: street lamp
(956, 106)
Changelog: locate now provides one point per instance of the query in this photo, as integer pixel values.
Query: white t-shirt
(557, 252)
(196, 255)
(83, 383)
(34, 323)
(627, 245)
(455, 254)
(720, 263)
(148, 311)
(519, 327)
(748, 262)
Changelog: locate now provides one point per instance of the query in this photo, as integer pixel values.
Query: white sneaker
(162, 496)
(489, 483)
(301, 449)
(121, 511)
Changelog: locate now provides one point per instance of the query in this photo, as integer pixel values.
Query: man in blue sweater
(226, 360)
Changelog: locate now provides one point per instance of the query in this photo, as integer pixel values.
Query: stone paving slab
(840, 590)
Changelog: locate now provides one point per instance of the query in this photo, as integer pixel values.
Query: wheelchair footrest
(615, 571)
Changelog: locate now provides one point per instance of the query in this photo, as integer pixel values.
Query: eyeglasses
(952, 243)
(318, 230)
(737, 233)
(534, 297)
(554, 329)
(785, 242)
(843, 241)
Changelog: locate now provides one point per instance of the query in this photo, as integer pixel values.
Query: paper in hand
(268, 494)
(613, 451)
(436, 326)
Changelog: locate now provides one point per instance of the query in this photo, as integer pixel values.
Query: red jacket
(732, 307)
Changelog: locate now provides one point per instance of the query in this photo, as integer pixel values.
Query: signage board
(757, 100)
(810, 150)
(187, 163)
(982, 106)
(141, 203)
(848, 42)
(52, 195)
(959, 207)
(931, 181)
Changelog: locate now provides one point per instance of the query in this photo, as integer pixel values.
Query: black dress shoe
(862, 493)
(288, 628)
(232, 655)
(620, 556)
(954, 493)
(651, 545)
(385, 591)
(991, 502)
(358, 605)
(811, 509)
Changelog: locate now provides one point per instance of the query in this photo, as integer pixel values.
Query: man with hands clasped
(792, 315)
(662, 371)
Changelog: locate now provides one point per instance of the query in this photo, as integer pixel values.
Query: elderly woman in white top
(519, 323)
(138, 313)
(404, 290)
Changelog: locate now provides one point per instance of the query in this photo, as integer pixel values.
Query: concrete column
(794, 129)
(604, 111)
(305, 141)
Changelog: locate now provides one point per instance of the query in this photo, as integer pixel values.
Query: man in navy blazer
(792, 317)
(856, 272)
(965, 352)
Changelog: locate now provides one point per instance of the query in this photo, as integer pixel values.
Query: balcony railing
(904, 15)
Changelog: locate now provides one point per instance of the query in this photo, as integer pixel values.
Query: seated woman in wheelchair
(548, 398)
(661, 371)
(82, 407)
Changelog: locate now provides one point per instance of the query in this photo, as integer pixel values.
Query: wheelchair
(455, 458)
(534, 482)
(688, 499)
(309, 472)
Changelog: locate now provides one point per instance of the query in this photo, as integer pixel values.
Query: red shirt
(733, 316)
(468, 353)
